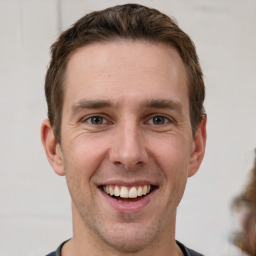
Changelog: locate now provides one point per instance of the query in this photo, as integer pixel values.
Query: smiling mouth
(128, 194)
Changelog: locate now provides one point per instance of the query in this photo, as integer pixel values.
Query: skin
(138, 92)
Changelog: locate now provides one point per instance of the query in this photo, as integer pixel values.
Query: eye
(158, 120)
(96, 120)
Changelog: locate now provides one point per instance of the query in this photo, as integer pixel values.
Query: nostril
(128, 165)
(118, 163)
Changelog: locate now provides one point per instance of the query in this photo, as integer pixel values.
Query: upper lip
(127, 183)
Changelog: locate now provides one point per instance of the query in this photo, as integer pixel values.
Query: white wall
(35, 213)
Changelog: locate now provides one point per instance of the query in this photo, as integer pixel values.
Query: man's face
(126, 130)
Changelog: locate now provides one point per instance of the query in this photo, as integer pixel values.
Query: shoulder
(186, 251)
(57, 252)
(193, 253)
(51, 254)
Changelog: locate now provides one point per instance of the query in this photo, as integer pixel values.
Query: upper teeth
(127, 192)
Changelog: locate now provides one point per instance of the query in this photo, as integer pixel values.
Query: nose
(129, 148)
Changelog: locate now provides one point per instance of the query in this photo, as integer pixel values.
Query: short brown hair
(130, 21)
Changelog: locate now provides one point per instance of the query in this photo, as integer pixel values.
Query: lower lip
(131, 206)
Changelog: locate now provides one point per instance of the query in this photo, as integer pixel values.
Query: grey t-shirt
(186, 251)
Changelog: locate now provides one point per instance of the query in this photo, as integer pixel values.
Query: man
(126, 127)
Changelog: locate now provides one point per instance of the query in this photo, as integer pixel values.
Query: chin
(129, 238)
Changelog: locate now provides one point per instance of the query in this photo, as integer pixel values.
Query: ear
(52, 148)
(198, 148)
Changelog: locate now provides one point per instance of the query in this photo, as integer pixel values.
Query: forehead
(122, 68)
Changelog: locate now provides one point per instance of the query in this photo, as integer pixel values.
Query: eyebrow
(153, 103)
(163, 104)
(90, 104)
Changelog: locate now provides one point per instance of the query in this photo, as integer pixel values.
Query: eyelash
(95, 116)
(149, 121)
(166, 119)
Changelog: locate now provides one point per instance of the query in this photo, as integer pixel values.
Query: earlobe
(198, 150)
(52, 148)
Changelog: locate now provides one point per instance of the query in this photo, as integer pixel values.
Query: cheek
(84, 155)
(172, 155)
(81, 162)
